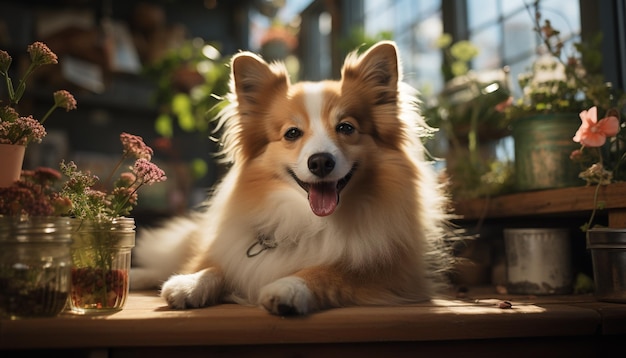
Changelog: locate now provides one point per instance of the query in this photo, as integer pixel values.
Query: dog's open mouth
(324, 195)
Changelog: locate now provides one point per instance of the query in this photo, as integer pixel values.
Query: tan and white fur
(328, 201)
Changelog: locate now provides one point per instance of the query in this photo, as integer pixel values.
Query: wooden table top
(147, 322)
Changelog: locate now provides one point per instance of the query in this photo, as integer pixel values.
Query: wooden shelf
(556, 201)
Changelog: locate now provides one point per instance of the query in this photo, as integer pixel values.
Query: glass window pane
(488, 42)
(514, 6)
(481, 11)
(424, 60)
(406, 13)
(519, 37)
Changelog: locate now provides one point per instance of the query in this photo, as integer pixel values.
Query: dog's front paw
(287, 296)
(194, 290)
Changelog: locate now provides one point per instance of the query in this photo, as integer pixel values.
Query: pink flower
(126, 179)
(576, 154)
(25, 129)
(593, 133)
(126, 194)
(134, 145)
(148, 172)
(40, 54)
(64, 99)
(5, 61)
(502, 106)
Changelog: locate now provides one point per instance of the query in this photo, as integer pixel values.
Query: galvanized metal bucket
(538, 261)
(543, 145)
(608, 255)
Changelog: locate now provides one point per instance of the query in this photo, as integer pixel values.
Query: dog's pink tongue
(323, 198)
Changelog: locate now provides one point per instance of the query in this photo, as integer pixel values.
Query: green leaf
(163, 125)
(186, 122)
(181, 103)
(182, 107)
(199, 168)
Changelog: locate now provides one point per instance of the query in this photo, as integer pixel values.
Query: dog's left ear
(376, 70)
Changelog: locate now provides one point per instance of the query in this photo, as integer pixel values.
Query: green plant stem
(54, 106)
(9, 84)
(472, 137)
(595, 207)
(43, 119)
(21, 87)
(119, 207)
(107, 182)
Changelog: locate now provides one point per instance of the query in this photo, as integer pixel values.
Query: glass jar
(101, 253)
(34, 266)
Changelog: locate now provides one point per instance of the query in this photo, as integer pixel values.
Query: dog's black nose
(321, 164)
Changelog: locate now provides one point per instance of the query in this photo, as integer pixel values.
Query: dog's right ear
(254, 78)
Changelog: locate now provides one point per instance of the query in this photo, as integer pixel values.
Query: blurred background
(157, 68)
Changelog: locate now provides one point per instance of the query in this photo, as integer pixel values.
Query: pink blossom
(64, 99)
(593, 133)
(8, 114)
(40, 54)
(129, 194)
(148, 172)
(45, 174)
(502, 106)
(25, 128)
(126, 179)
(134, 145)
(5, 61)
(576, 154)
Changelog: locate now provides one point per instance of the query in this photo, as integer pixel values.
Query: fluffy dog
(328, 201)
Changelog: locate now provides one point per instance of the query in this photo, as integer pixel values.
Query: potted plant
(601, 154)
(16, 131)
(556, 89)
(470, 112)
(103, 235)
(41, 215)
(68, 233)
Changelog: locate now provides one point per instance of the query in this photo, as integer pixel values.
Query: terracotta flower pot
(11, 160)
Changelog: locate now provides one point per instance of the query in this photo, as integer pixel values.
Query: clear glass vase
(34, 266)
(101, 253)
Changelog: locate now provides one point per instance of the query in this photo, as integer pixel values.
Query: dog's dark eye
(345, 128)
(292, 134)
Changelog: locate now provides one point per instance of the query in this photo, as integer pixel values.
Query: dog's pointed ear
(377, 69)
(253, 78)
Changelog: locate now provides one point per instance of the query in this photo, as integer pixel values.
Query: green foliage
(182, 107)
(189, 107)
(361, 41)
